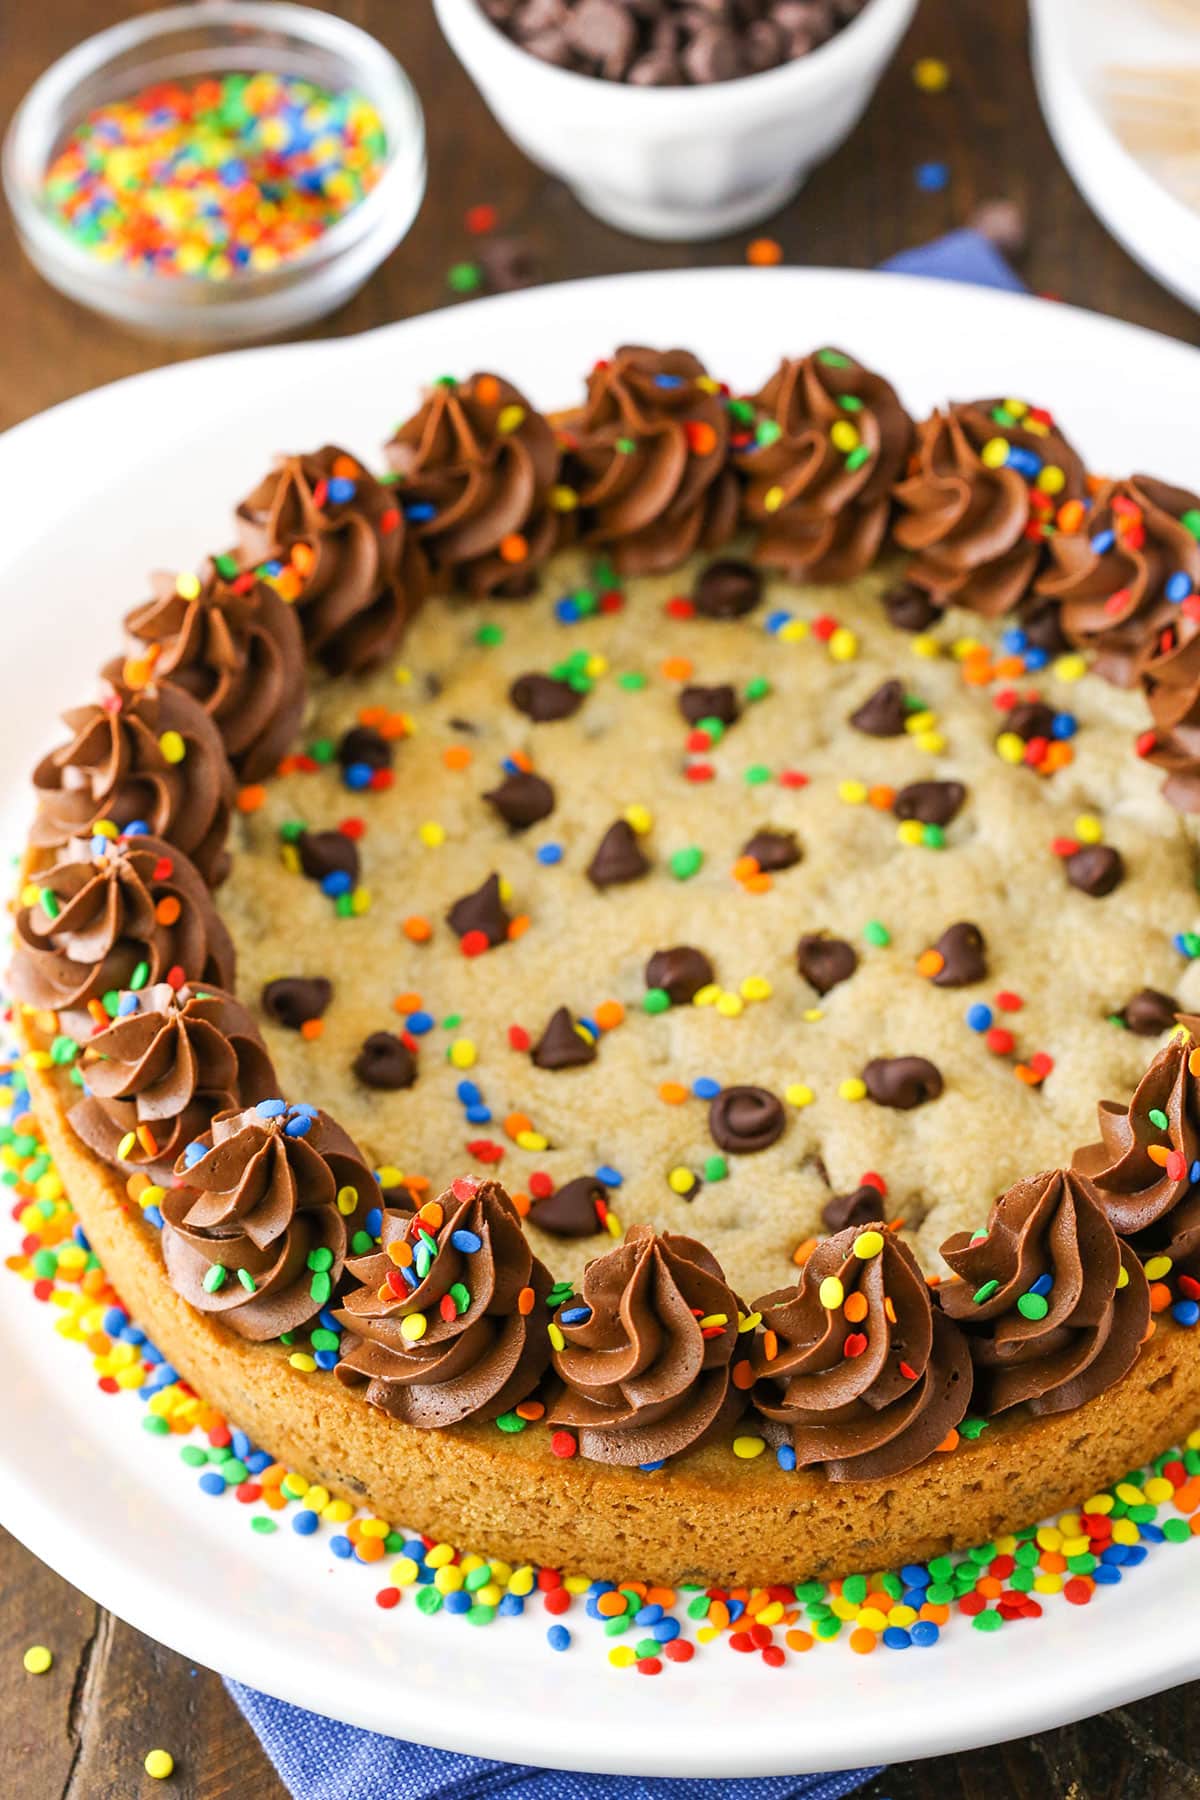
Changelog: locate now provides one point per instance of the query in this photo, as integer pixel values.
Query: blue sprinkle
(565, 610)
(468, 1093)
(374, 1221)
(340, 489)
(736, 1609)
(932, 177)
(1178, 586)
(1064, 725)
(239, 1443)
(1137, 1553)
(923, 1633)
(915, 1575)
(302, 1106)
(558, 1637)
(511, 767)
(979, 1016)
(128, 1003)
(305, 1522)
(326, 1318)
(419, 1023)
(914, 1597)
(212, 1483)
(665, 1631)
(478, 1115)
(115, 1320)
(576, 1315)
(1103, 542)
(1042, 1285)
(785, 1456)
(1027, 463)
(511, 1606)
(153, 1217)
(1186, 1312)
(341, 1546)
(590, 1025)
(1194, 1172)
(549, 854)
(775, 621)
(298, 1127)
(705, 1088)
(466, 1241)
(414, 1548)
(135, 828)
(896, 1638)
(1014, 642)
(268, 1109)
(459, 1602)
(420, 511)
(664, 380)
(325, 1359)
(357, 776)
(649, 1468)
(336, 883)
(648, 1615)
(1036, 658)
(133, 1334)
(408, 1275)
(193, 1153)
(1106, 1575)
(602, 1587)
(609, 1176)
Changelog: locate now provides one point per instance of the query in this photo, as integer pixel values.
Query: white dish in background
(155, 464)
(680, 162)
(1074, 41)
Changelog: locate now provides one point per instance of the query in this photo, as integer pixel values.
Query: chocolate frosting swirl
(1169, 667)
(1055, 1309)
(172, 1059)
(825, 442)
(1110, 577)
(233, 645)
(333, 539)
(147, 755)
(478, 467)
(1142, 1175)
(644, 1376)
(270, 1197)
(481, 1294)
(855, 1363)
(646, 455)
(114, 912)
(977, 531)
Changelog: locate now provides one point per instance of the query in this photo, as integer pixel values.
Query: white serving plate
(143, 474)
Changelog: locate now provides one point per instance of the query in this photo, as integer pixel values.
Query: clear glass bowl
(187, 43)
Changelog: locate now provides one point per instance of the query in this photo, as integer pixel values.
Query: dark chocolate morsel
(1149, 1012)
(481, 911)
(293, 1000)
(962, 950)
(543, 698)
(571, 1210)
(862, 1206)
(825, 961)
(324, 853)
(1095, 869)
(522, 799)
(744, 1120)
(882, 714)
(930, 802)
(728, 589)
(1040, 619)
(696, 703)
(1030, 719)
(773, 850)
(563, 1044)
(364, 745)
(680, 972)
(909, 608)
(385, 1061)
(902, 1082)
(618, 858)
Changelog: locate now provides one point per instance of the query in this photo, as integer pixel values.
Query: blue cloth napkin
(318, 1759)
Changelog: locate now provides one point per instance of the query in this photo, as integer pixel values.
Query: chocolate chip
(385, 1061)
(744, 1120)
(562, 1045)
(481, 911)
(902, 1082)
(293, 1000)
(882, 714)
(728, 589)
(862, 1206)
(1149, 1012)
(1095, 869)
(543, 698)
(325, 853)
(680, 973)
(909, 608)
(365, 746)
(1041, 621)
(961, 948)
(1030, 719)
(618, 857)
(522, 799)
(773, 850)
(825, 961)
(696, 703)
(572, 1210)
(932, 802)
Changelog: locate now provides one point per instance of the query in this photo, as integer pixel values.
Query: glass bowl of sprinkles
(218, 172)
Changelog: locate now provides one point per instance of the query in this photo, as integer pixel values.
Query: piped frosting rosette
(645, 459)
(477, 470)
(267, 1205)
(1054, 1307)
(859, 1373)
(646, 1351)
(820, 448)
(449, 1322)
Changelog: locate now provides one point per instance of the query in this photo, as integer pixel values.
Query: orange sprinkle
(514, 548)
(168, 910)
(1053, 1561)
(757, 884)
(930, 963)
(417, 929)
(889, 1309)
(745, 867)
(855, 1308)
(936, 1610)
(522, 1203)
(802, 1252)
(1058, 755)
(611, 1606)
(799, 1640)
(949, 1442)
(400, 1252)
(518, 926)
(523, 762)
(457, 756)
(311, 1030)
(702, 439)
(370, 1550)
(862, 1642)
(881, 1602)
(742, 1375)
(764, 253)
(659, 1596)
(529, 1409)
(304, 558)
(487, 389)
(251, 798)
(372, 715)
(608, 1014)
(770, 1344)
(406, 1003)
(394, 725)
(147, 1140)
(718, 1614)
(990, 1587)
(288, 584)
(881, 798)
(525, 1301)
(515, 1123)
(673, 1092)
(1008, 668)
(345, 468)
(432, 1214)
(675, 668)
(1070, 515)
(1160, 1296)
(1187, 1497)
(1158, 1153)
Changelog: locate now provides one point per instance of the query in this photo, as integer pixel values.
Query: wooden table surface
(82, 1730)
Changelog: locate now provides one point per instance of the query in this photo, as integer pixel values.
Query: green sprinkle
(320, 1259)
(292, 829)
(860, 454)
(488, 635)
(452, 1021)
(429, 1600)
(265, 1527)
(320, 1288)
(686, 863)
(833, 359)
(510, 1422)
(933, 837)
(362, 1243)
(1033, 1306)
(854, 1589)
(715, 1168)
(214, 1278)
(972, 1429)
(463, 278)
(193, 1456)
(461, 1296)
(741, 411)
(140, 976)
(247, 1281)
(713, 729)
(876, 933)
(757, 688)
(850, 402)
(985, 1292)
(323, 750)
(49, 900)
(756, 774)
(987, 1621)
(632, 680)
(63, 1051)
(626, 445)
(1157, 1117)
(226, 566)
(479, 1614)
(478, 1578)
(768, 432)
(657, 1000)
(324, 1340)
(1190, 520)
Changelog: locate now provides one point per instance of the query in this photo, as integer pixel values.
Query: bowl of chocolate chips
(680, 119)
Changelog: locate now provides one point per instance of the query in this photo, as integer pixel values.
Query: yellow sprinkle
(933, 742)
(748, 1447)
(910, 831)
(798, 1093)
(681, 1181)
(852, 793)
(506, 889)
(793, 631)
(708, 995)
(531, 1140)
(994, 454)
(1010, 748)
(37, 1659)
(749, 1321)
(622, 1655)
(564, 499)
(347, 1200)
(172, 746)
(853, 1088)
(729, 1006)
(439, 1556)
(916, 722)
(1122, 1276)
(1051, 479)
(755, 987)
(390, 1176)
(187, 586)
(522, 1580)
(773, 499)
(401, 675)
(159, 1764)
(843, 645)
(1158, 1489)
(413, 1327)
(1156, 1269)
(930, 74)
(405, 1571)
(811, 1014)
(925, 646)
(317, 1498)
(1071, 667)
(431, 833)
(843, 436)
(596, 665)
(556, 1337)
(963, 647)
(613, 1225)
(510, 418)
(640, 818)
(448, 1580)
(1016, 408)
(1088, 829)
(831, 1293)
(151, 1195)
(868, 1244)
(300, 1359)
(463, 1053)
(871, 1619)
(289, 856)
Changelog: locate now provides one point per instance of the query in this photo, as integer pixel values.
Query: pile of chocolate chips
(670, 43)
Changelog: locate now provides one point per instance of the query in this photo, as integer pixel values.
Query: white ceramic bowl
(682, 162)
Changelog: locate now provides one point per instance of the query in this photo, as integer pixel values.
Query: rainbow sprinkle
(237, 173)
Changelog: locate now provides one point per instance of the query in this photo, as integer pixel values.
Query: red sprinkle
(558, 1600)
(388, 1597)
(518, 1038)
(474, 943)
